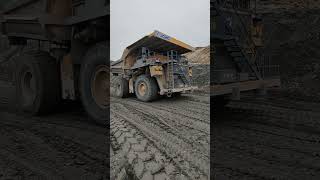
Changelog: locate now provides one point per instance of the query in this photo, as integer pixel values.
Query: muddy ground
(168, 138)
(272, 138)
(63, 145)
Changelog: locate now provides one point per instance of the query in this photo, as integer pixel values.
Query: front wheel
(146, 88)
(94, 83)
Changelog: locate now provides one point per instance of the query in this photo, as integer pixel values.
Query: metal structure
(63, 53)
(237, 60)
(154, 66)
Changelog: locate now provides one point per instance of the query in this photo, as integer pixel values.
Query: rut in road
(175, 132)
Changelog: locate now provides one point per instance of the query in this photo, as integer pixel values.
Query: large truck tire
(122, 88)
(94, 83)
(146, 88)
(37, 83)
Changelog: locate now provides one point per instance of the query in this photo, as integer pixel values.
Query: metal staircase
(171, 56)
(183, 77)
(241, 58)
(244, 57)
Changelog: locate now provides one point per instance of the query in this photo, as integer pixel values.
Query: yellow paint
(171, 40)
(156, 70)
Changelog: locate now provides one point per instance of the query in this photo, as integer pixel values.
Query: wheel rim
(100, 85)
(118, 89)
(28, 87)
(142, 89)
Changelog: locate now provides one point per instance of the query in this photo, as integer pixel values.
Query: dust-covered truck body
(63, 54)
(152, 66)
(238, 62)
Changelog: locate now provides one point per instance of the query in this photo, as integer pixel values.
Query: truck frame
(64, 54)
(154, 66)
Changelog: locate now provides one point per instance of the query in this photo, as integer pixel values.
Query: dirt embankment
(200, 61)
(200, 56)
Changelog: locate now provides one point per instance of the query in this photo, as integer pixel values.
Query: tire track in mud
(267, 141)
(183, 106)
(145, 160)
(182, 126)
(58, 149)
(167, 136)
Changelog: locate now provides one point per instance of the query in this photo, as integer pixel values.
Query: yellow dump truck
(154, 66)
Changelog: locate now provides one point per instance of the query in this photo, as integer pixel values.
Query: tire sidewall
(149, 94)
(122, 88)
(88, 69)
(25, 63)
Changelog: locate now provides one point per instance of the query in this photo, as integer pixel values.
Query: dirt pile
(200, 56)
(200, 60)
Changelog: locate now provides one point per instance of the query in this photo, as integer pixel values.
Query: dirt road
(267, 139)
(64, 145)
(168, 138)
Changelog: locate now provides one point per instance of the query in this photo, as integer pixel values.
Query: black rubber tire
(152, 88)
(45, 71)
(96, 56)
(122, 86)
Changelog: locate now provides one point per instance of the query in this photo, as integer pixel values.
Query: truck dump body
(49, 19)
(156, 41)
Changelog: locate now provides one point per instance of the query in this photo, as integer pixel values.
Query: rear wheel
(38, 84)
(94, 83)
(146, 88)
(122, 88)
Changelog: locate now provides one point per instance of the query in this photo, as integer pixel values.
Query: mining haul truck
(238, 63)
(152, 67)
(63, 54)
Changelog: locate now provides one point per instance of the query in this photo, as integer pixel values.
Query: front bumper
(177, 90)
